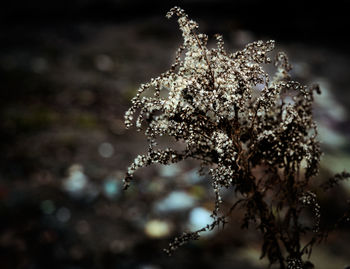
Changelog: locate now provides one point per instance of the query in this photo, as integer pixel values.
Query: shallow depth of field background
(68, 72)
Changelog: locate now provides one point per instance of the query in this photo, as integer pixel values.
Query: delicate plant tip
(233, 117)
(294, 263)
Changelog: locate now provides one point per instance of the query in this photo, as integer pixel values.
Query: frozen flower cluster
(232, 116)
(214, 106)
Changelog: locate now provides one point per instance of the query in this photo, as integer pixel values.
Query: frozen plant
(235, 119)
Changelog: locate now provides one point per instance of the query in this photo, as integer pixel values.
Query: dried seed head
(231, 115)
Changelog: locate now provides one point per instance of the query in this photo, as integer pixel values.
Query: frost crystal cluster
(235, 119)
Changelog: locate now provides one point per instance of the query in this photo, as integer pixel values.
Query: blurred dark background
(68, 70)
